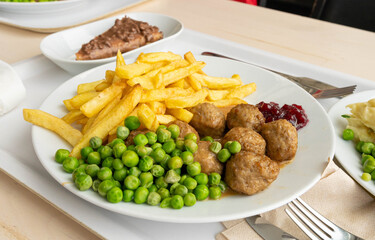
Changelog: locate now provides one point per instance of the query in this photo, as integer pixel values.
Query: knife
(268, 231)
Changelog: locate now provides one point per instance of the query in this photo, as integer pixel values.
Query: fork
(317, 89)
(315, 225)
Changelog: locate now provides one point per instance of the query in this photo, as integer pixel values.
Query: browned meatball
(185, 128)
(207, 159)
(249, 173)
(208, 120)
(249, 139)
(245, 115)
(130, 139)
(282, 140)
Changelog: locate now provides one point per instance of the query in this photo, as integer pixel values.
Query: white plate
(346, 154)
(316, 146)
(61, 47)
(37, 8)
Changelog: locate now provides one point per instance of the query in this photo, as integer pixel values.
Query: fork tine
(301, 226)
(308, 220)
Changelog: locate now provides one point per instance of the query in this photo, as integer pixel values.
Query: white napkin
(12, 90)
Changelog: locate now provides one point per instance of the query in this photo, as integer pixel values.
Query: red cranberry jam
(294, 113)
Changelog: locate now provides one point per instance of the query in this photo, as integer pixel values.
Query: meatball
(207, 159)
(208, 120)
(281, 138)
(249, 173)
(245, 115)
(130, 139)
(249, 139)
(185, 128)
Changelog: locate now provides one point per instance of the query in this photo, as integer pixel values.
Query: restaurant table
(25, 215)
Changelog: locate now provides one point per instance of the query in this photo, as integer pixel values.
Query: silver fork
(316, 88)
(315, 225)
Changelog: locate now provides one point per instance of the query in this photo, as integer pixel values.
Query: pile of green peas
(223, 154)
(159, 169)
(367, 149)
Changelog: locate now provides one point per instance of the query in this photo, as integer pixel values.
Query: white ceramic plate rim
(346, 154)
(27, 4)
(110, 59)
(206, 211)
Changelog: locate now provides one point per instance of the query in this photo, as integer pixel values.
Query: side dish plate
(316, 147)
(61, 47)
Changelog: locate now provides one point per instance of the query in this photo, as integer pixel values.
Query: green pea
(215, 147)
(158, 154)
(190, 199)
(104, 173)
(180, 144)
(208, 138)
(132, 122)
(140, 195)
(348, 134)
(70, 164)
(194, 169)
(223, 186)
(146, 179)
(119, 149)
(95, 184)
(169, 146)
(201, 192)
(175, 162)
(178, 171)
(234, 147)
(171, 177)
(161, 126)
(108, 162)
(120, 174)
(156, 145)
(153, 198)
(95, 142)
(142, 150)
(214, 178)
(201, 178)
(175, 130)
(81, 161)
(140, 139)
(183, 178)
(190, 183)
(191, 146)
(152, 188)
(117, 164)
(365, 157)
(128, 195)
(358, 147)
(161, 183)
(164, 162)
(83, 182)
(114, 195)
(131, 147)
(166, 203)
(177, 202)
(85, 152)
(117, 183)
(369, 166)
(367, 147)
(78, 171)
(373, 175)
(187, 157)
(157, 171)
(132, 182)
(163, 135)
(191, 136)
(115, 142)
(92, 170)
(130, 158)
(122, 132)
(134, 171)
(366, 177)
(176, 153)
(223, 155)
(61, 155)
(226, 145)
(181, 190)
(151, 137)
(145, 164)
(94, 158)
(215, 192)
(105, 186)
(105, 152)
(164, 193)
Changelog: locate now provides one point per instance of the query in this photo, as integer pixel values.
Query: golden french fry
(218, 82)
(190, 58)
(236, 76)
(214, 95)
(188, 101)
(145, 81)
(146, 115)
(55, 124)
(158, 57)
(177, 74)
(83, 121)
(88, 125)
(163, 94)
(242, 91)
(120, 61)
(179, 84)
(155, 125)
(158, 81)
(109, 75)
(133, 113)
(181, 114)
(97, 103)
(157, 107)
(228, 102)
(113, 119)
(165, 119)
(194, 82)
(73, 116)
(88, 87)
(68, 105)
(101, 86)
(107, 109)
(136, 69)
(77, 101)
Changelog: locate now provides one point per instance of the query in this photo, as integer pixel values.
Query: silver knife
(268, 231)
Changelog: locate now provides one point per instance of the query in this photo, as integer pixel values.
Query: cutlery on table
(266, 230)
(316, 88)
(315, 225)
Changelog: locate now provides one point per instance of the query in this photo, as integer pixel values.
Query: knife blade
(268, 231)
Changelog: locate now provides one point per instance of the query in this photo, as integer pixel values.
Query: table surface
(344, 49)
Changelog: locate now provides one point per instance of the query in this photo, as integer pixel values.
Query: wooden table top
(348, 50)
